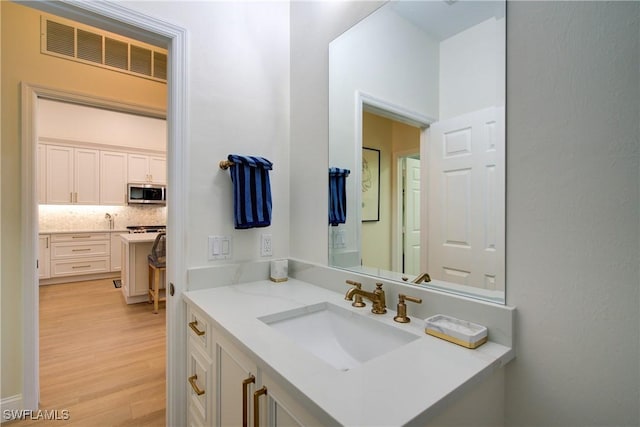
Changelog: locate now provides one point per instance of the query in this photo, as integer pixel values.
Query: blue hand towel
(251, 191)
(338, 195)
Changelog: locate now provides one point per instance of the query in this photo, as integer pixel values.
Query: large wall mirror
(417, 117)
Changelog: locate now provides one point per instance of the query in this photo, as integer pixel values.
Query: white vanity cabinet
(44, 256)
(225, 384)
(144, 168)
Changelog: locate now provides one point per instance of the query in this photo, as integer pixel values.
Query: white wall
(81, 123)
(572, 212)
(572, 199)
(238, 100)
(309, 118)
(472, 69)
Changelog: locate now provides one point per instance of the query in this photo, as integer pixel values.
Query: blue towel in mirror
(338, 195)
(251, 191)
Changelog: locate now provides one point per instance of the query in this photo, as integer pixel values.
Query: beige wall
(21, 61)
(390, 137)
(377, 133)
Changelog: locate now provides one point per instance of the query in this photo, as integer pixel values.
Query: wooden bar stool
(157, 264)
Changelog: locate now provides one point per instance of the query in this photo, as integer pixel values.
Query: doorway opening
(392, 240)
(111, 17)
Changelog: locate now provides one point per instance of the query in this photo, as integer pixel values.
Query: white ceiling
(442, 19)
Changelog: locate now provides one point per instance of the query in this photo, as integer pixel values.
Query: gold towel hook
(226, 164)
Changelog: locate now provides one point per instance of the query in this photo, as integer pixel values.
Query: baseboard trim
(82, 278)
(8, 405)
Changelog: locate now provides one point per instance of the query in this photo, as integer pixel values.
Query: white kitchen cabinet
(72, 175)
(44, 256)
(41, 179)
(113, 178)
(116, 252)
(75, 254)
(231, 381)
(135, 266)
(144, 168)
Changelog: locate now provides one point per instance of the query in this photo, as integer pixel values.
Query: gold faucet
(376, 297)
(358, 302)
(424, 277)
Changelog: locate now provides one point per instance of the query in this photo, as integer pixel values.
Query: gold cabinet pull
(194, 386)
(256, 405)
(81, 250)
(81, 237)
(80, 266)
(194, 327)
(245, 399)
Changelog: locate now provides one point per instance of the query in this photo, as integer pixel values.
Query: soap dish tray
(461, 332)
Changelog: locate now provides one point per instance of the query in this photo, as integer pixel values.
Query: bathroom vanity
(251, 358)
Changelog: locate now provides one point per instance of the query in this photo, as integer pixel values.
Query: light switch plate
(219, 247)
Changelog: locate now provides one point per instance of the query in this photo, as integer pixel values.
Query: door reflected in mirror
(421, 86)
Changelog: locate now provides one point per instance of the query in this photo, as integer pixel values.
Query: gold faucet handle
(402, 317)
(358, 302)
(403, 298)
(354, 283)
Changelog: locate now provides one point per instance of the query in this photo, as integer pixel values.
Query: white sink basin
(338, 336)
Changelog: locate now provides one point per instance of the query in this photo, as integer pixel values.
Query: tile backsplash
(79, 217)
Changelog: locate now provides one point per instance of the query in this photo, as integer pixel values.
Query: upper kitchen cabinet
(41, 180)
(147, 169)
(113, 178)
(72, 175)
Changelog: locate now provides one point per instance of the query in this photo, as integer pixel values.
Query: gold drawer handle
(80, 237)
(194, 386)
(256, 405)
(80, 266)
(245, 399)
(195, 329)
(80, 250)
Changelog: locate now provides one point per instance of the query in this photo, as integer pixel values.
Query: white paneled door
(411, 213)
(466, 199)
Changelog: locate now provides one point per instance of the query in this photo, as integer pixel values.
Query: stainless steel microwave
(146, 194)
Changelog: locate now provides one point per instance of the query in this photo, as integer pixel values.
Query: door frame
(389, 110)
(114, 17)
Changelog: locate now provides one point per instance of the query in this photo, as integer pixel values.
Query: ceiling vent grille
(71, 40)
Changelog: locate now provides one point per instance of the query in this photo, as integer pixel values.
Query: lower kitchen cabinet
(226, 387)
(44, 256)
(79, 254)
(116, 252)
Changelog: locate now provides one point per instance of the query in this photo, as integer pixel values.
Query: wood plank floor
(100, 359)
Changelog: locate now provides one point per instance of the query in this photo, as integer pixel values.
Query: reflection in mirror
(417, 101)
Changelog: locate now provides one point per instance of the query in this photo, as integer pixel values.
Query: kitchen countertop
(138, 237)
(417, 377)
(83, 231)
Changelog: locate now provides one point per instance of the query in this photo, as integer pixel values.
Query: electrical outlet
(265, 245)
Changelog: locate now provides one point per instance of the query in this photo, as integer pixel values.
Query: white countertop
(106, 230)
(391, 389)
(138, 237)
